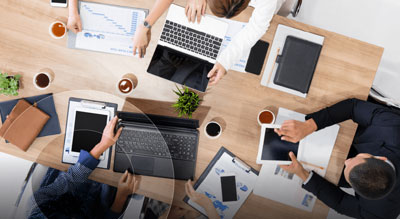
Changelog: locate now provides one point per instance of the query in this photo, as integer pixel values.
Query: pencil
(312, 165)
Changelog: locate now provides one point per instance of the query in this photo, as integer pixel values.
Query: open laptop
(186, 51)
(156, 145)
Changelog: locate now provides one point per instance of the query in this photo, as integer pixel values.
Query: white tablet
(273, 150)
(85, 129)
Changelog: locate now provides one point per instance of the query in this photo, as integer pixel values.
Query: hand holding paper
(296, 167)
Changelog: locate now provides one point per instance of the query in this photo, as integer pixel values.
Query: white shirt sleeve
(249, 35)
(309, 177)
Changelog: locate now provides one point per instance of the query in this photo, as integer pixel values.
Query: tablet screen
(276, 149)
(88, 130)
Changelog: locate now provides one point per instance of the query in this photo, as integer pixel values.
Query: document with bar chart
(107, 28)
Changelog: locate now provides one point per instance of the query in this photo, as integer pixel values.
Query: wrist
(304, 174)
(97, 150)
(121, 196)
(311, 126)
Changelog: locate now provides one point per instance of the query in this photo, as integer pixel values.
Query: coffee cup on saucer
(127, 84)
(213, 130)
(43, 79)
(57, 29)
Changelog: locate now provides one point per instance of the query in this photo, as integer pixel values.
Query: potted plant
(187, 102)
(9, 85)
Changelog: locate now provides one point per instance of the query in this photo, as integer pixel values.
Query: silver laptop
(187, 51)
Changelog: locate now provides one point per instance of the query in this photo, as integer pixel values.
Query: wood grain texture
(346, 68)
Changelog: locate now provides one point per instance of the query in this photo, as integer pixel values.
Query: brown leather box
(23, 124)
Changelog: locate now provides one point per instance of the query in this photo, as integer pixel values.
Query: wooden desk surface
(346, 69)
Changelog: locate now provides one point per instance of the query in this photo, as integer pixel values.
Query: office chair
(290, 7)
(380, 98)
(30, 184)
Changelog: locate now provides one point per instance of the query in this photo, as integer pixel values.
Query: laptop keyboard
(190, 39)
(180, 147)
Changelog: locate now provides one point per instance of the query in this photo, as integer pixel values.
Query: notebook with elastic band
(296, 64)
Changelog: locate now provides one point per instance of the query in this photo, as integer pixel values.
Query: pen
(312, 165)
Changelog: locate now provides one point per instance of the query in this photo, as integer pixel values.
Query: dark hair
(227, 8)
(373, 179)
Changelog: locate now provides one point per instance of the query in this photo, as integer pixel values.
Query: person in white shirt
(258, 24)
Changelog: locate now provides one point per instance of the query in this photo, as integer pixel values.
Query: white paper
(107, 28)
(211, 186)
(278, 185)
(234, 28)
(279, 41)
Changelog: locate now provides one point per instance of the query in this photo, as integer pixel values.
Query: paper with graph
(107, 28)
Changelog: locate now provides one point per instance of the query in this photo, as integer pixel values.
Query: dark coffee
(42, 80)
(125, 86)
(213, 129)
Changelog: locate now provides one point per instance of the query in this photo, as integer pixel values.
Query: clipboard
(91, 106)
(228, 209)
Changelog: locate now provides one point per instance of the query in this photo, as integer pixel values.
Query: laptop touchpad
(143, 165)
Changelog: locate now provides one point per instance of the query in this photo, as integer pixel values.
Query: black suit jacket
(378, 134)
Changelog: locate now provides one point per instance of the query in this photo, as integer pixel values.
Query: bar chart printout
(107, 28)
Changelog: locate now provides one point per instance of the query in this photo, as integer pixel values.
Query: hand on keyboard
(195, 8)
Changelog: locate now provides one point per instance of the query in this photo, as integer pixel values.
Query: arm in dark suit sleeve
(333, 196)
(361, 112)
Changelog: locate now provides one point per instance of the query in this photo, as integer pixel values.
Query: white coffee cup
(217, 125)
(37, 81)
(51, 29)
(268, 111)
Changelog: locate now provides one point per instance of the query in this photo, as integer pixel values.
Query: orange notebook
(23, 124)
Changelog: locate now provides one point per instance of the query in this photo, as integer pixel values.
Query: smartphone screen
(228, 185)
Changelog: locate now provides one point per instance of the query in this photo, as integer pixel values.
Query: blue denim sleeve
(70, 181)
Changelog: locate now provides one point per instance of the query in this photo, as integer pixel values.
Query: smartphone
(58, 3)
(228, 187)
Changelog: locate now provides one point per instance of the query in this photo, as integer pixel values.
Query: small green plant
(9, 85)
(187, 102)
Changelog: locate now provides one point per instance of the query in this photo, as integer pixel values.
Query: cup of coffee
(266, 117)
(213, 129)
(57, 29)
(43, 79)
(127, 84)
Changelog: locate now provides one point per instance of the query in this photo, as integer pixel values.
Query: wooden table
(346, 69)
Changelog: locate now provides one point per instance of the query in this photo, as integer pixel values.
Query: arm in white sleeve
(249, 35)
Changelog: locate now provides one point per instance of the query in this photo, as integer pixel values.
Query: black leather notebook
(297, 64)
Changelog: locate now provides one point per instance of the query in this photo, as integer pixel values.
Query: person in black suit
(372, 170)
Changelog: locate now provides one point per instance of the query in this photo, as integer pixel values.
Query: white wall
(372, 21)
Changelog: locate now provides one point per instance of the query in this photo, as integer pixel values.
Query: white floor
(372, 21)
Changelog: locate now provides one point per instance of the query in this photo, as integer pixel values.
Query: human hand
(199, 198)
(293, 130)
(108, 138)
(295, 167)
(127, 185)
(74, 23)
(195, 8)
(216, 73)
(141, 40)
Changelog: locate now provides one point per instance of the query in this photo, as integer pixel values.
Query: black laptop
(155, 145)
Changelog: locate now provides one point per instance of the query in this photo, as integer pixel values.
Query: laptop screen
(180, 68)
